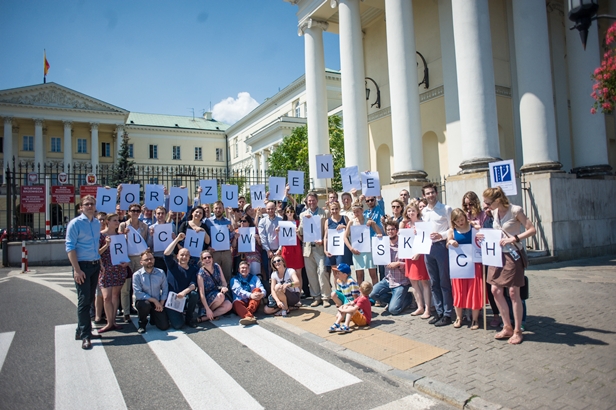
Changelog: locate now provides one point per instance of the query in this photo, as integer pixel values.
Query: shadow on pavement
(545, 329)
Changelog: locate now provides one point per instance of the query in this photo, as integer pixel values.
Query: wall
(47, 253)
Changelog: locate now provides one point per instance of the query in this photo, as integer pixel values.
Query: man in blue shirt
(150, 288)
(82, 237)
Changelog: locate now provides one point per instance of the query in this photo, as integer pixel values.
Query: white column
(588, 130)
(405, 115)
(255, 162)
(7, 147)
(119, 136)
(476, 89)
(537, 120)
(356, 145)
(39, 148)
(316, 95)
(68, 145)
(450, 87)
(94, 138)
(264, 157)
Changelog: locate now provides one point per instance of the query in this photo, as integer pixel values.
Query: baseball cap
(344, 268)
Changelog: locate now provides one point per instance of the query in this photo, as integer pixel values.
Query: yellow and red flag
(46, 66)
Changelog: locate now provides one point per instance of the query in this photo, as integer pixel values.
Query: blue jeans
(177, 318)
(85, 296)
(437, 263)
(398, 298)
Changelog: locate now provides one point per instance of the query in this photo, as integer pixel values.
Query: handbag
(521, 250)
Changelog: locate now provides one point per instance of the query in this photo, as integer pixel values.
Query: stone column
(537, 120)
(94, 138)
(7, 147)
(68, 145)
(476, 89)
(119, 136)
(264, 157)
(39, 147)
(405, 116)
(356, 145)
(316, 95)
(588, 130)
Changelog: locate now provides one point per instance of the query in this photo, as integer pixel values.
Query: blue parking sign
(502, 173)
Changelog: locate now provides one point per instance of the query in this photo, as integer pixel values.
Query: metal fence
(82, 175)
(539, 241)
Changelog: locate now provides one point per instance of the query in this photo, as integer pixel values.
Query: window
(198, 154)
(130, 151)
(176, 152)
(28, 143)
(82, 146)
(153, 151)
(236, 149)
(219, 157)
(105, 149)
(56, 144)
(297, 109)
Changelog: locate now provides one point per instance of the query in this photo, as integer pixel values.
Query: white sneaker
(248, 320)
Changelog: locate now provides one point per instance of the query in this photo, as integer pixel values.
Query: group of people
(278, 277)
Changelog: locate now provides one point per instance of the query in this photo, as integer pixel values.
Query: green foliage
(123, 171)
(292, 154)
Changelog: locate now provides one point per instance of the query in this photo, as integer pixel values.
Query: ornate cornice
(431, 94)
(379, 114)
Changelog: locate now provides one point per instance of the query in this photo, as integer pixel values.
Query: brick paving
(567, 360)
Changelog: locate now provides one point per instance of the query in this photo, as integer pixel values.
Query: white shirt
(440, 216)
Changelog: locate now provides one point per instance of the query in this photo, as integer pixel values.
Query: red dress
(293, 255)
(467, 293)
(415, 270)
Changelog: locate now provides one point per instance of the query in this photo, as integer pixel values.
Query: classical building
(257, 134)
(507, 80)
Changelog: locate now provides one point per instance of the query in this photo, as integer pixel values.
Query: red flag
(46, 69)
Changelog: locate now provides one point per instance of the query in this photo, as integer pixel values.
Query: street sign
(62, 194)
(32, 199)
(88, 190)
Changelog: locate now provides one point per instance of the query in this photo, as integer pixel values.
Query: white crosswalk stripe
(86, 372)
(313, 372)
(5, 343)
(195, 373)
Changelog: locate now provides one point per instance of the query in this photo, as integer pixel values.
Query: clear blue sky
(156, 56)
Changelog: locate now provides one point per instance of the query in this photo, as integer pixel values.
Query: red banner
(62, 194)
(32, 199)
(88, 190)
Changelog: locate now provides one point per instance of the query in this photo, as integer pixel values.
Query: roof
(175, 121)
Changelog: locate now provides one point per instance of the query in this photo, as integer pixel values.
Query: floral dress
(211, 282)
(114, 275)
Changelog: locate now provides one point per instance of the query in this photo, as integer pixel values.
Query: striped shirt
(350, 289)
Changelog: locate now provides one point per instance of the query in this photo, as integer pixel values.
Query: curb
(447, 393)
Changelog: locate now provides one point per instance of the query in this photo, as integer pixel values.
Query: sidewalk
(567, 360)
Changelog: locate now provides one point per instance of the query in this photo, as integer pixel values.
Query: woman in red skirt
(467, 293)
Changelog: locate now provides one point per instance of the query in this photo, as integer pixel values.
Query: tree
(292, 154)
(123, 171)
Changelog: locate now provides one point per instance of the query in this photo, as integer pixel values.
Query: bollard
(47, 229)
(23, 257)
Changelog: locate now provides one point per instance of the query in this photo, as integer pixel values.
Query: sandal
(506, 333)
(458, 323)
(516, 339)
(474, 325)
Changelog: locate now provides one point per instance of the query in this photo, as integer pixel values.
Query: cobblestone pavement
(567, 360)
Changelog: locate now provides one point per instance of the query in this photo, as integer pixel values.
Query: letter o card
(220, 237)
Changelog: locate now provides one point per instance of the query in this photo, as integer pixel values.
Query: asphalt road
(221, 365)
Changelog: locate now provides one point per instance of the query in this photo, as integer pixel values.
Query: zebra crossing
(89, 376)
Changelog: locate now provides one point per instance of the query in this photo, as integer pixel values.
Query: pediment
(52, 95)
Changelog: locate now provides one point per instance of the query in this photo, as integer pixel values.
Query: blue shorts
(363, 261)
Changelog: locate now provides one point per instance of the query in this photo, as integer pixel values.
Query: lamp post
(582, 13)
(377, 102)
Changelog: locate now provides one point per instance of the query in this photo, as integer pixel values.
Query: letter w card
(246, 240)
(461, 265)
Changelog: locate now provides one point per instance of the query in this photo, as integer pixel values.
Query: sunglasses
(277, 261)
(370, 200)
(206, 257)
(135, 210)
(243, 220)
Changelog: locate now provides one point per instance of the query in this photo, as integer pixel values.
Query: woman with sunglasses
(397, 211)
(285, 288)
(195, 222)
(252, 258)
(111, 281)
(212, 289)
(510, 220)
(339, 222)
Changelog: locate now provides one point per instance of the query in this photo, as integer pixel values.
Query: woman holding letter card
(510, 219)
(362, 260)
(467, 293)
